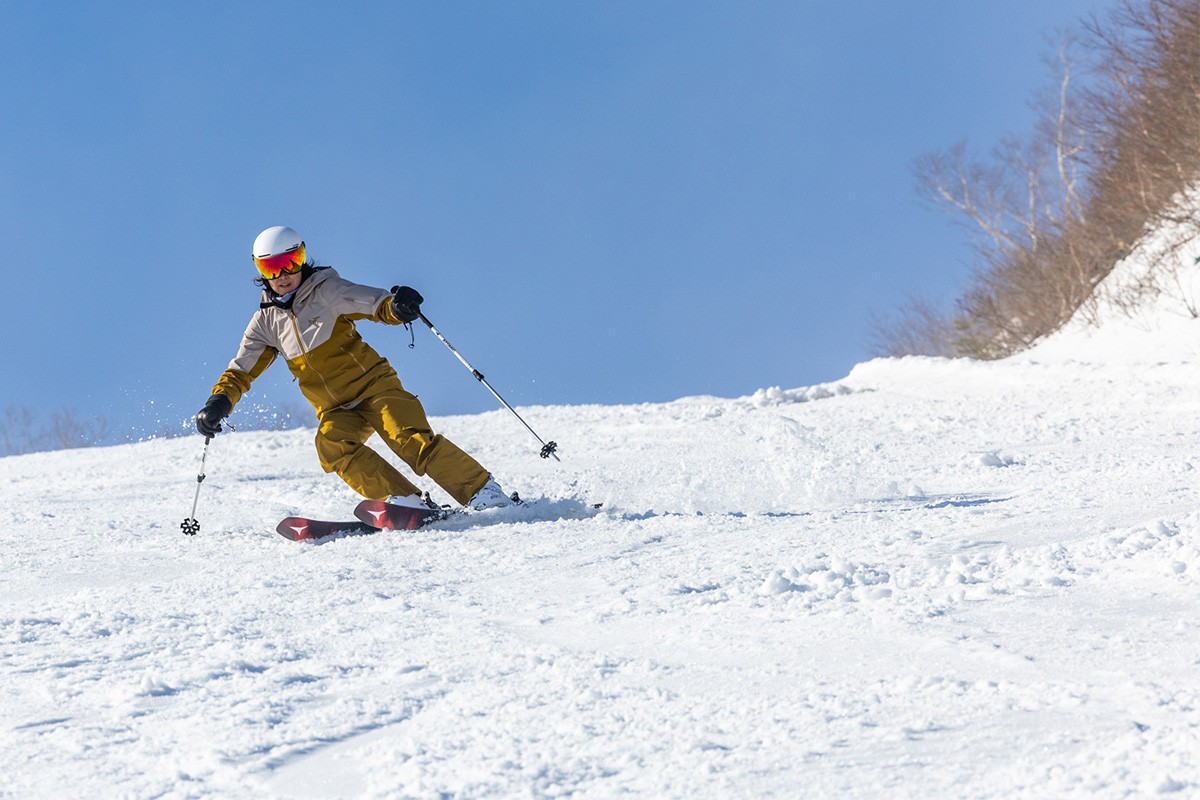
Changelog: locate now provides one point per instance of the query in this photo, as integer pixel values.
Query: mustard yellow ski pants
(400, 421)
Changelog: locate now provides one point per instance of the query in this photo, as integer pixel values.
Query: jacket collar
(311, 281)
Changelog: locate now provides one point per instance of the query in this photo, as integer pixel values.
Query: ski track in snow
(936, 579)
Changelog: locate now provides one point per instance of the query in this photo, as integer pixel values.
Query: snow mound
(776, 396)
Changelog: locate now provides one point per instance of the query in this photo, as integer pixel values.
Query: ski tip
(388, 517)
(299, 528)
(294, 528)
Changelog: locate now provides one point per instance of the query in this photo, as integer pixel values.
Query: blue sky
(605, 202)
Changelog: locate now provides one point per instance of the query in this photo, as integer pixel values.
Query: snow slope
(933, 579)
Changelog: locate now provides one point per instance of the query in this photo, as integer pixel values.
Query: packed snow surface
(932, 579)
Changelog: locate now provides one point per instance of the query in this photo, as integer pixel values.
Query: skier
(308, 313)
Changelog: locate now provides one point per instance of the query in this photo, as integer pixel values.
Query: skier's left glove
(208, 421)
(406, 303)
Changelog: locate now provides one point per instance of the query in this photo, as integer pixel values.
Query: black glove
(208, 421)
(406, 302)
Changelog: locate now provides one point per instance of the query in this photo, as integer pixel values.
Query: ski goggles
(289, 263)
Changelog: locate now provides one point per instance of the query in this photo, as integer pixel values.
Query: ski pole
(190, 526)
(548, 448)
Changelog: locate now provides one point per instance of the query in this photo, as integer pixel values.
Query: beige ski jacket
(333, 365)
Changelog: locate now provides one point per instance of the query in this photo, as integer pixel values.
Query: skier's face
(285, 283)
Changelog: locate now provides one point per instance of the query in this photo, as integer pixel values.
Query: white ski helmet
(277, 250)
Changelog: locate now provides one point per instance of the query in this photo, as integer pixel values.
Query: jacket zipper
(304, 354)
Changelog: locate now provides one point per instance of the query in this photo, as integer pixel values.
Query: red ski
(388, 517)
(299, 528)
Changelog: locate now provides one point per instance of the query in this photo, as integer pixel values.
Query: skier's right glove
(208, 421)
(406, 302)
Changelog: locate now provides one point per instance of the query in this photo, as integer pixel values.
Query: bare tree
(1050, 214)
(68, 430)
(21, 433)
(18, 433)
(920, 327)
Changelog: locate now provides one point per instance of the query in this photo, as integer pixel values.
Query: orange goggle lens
(289, 263)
